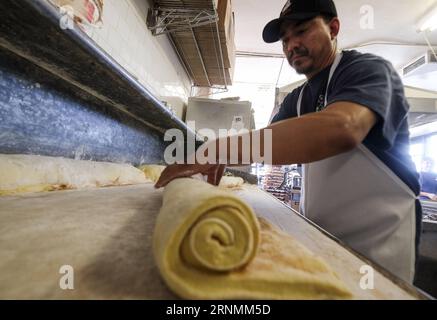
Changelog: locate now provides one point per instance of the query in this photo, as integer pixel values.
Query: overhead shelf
(202, 33)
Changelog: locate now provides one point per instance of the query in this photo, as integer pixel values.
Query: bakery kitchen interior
(218, 149)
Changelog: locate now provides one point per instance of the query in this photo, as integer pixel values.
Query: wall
(152, 60)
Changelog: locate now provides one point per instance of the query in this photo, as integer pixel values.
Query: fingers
(173, 172)
(165, 178)
(211, 178)
(213, 172)
(162, 181)
(219, 175)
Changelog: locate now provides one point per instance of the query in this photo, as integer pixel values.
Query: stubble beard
(301, 69)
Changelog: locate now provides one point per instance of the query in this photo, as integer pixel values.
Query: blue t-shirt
(373, 82)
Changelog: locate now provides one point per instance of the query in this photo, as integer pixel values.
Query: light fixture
(429, 21)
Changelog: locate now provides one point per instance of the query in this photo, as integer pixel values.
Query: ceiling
(394, 21)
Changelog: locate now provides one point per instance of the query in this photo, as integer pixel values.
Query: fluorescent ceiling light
(429, 22)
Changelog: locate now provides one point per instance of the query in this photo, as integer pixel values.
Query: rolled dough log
(31, 173)
(208, 244)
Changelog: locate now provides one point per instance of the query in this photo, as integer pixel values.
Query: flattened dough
(208, 244)
(31, 173)
(152, 171)
(231, 182)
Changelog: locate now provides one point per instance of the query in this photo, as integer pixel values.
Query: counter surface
(106, 236)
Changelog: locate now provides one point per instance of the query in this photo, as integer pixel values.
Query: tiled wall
(152, 60)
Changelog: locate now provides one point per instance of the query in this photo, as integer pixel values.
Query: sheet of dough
(208, 244)
(152, 171)
(231, 182)
(31, 173)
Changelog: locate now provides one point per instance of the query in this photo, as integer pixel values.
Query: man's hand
(213, 171)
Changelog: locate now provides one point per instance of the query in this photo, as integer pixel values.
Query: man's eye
(299, 32)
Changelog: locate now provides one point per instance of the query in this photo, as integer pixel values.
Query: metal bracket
(165, 20)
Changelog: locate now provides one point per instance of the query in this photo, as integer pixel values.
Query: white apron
(358, 199)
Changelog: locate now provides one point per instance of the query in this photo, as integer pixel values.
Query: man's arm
(339, 128)
(316, 136)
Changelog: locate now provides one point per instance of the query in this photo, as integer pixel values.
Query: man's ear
(334, 27)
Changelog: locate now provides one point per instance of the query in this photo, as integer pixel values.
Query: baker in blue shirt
(366, 196)
(348, 126)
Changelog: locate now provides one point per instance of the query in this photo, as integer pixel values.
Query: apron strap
(334, 66)
(299, 101)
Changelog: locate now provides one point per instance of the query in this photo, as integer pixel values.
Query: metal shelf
(167, 20)
(193, 28)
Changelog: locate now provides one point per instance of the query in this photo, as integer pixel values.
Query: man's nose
(290, 46)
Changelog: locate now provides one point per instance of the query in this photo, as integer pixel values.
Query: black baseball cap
(298, 10)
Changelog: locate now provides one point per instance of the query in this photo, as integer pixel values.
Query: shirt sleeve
(286, 109)
(376, 85)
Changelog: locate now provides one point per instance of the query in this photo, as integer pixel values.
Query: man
(428, 180)
(348, 126)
